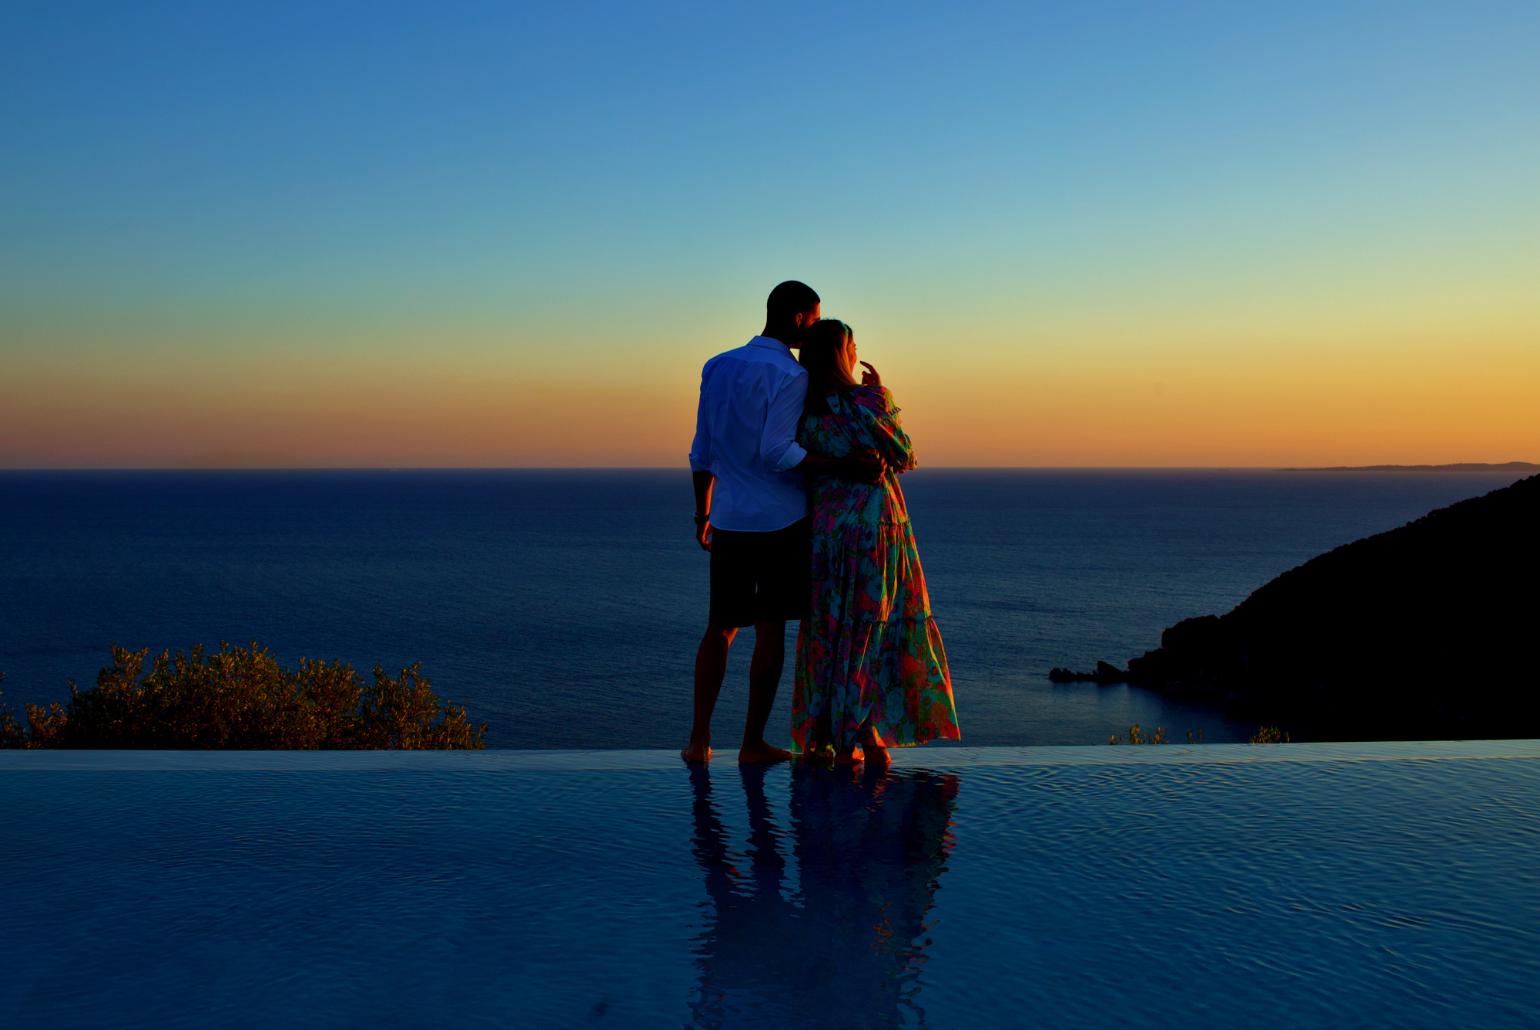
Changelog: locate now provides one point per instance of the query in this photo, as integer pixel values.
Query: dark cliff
(1427, 631)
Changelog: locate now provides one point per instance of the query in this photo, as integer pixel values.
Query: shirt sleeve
(700, 448)
(778, 445)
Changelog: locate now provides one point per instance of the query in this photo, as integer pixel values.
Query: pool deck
(1209, 885)
(935, 757)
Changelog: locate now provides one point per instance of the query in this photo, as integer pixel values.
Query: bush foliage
(1136, 735)
(240, 697)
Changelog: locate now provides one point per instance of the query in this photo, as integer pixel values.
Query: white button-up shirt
(746, 436)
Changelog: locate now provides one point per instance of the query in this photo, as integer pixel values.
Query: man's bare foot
(696, 753)
(759, 753)
(849, 756)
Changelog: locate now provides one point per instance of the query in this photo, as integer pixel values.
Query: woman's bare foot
(849, 756)
(696, 753)
(759, 753)
(876, 752)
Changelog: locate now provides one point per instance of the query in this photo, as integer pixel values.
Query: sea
(563, 607)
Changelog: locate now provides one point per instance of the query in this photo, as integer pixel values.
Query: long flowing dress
(869, 652)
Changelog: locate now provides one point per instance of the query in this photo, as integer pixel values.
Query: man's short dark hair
(790, 299)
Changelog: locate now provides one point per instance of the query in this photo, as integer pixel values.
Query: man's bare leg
(710, 669)
(764, 680)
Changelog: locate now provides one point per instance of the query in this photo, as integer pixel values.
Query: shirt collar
(771, 343)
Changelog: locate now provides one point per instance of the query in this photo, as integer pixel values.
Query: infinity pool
(1215, 885)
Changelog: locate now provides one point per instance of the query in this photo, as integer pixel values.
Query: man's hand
(704, 483)
(870, 376)
(865, 467)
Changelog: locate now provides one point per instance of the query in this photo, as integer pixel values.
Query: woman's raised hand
(870, 376)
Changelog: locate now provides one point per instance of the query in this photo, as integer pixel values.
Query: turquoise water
(563, 608)
(1215, 886)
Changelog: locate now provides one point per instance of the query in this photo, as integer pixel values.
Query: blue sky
(591, 179)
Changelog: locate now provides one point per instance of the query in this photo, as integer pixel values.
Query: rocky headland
(1428, 631)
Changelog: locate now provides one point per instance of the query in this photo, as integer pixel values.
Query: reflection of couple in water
(796, 468)
(845, 947)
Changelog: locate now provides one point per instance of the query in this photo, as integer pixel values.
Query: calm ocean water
(563, 607)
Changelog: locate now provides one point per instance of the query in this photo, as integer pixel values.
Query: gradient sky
(360, 234)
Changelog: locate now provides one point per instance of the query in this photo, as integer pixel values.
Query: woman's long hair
(822, 345)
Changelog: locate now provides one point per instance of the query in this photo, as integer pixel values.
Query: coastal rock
(1426, 631)
(1105, 673)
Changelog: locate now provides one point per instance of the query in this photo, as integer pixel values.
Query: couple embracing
(796, 467)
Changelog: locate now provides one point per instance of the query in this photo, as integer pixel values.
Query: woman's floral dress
(869, 651)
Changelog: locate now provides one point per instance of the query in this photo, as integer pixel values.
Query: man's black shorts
(760, 577)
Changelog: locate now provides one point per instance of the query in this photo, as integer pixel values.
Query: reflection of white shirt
(746, 435)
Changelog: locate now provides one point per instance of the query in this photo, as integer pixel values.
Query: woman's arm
(881, 428)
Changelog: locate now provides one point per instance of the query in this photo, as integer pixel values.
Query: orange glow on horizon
(1085, 405)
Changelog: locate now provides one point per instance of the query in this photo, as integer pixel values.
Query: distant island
(1462, 466)
(1423, 632)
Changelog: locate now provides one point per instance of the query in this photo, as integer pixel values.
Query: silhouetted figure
(871, 670)
(751, 511)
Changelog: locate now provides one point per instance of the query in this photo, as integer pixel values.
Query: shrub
(240, 697)
(11, 733)
(1269, 735)
(1136, 735)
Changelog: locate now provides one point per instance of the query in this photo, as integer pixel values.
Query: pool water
(1214, 885)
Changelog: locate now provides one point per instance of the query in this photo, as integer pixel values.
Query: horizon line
(1378, 466)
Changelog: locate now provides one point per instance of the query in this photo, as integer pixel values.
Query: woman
(871, 670)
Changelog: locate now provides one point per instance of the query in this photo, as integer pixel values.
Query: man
(751, 511)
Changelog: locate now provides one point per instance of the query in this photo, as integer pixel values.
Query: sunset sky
(1069, 234)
